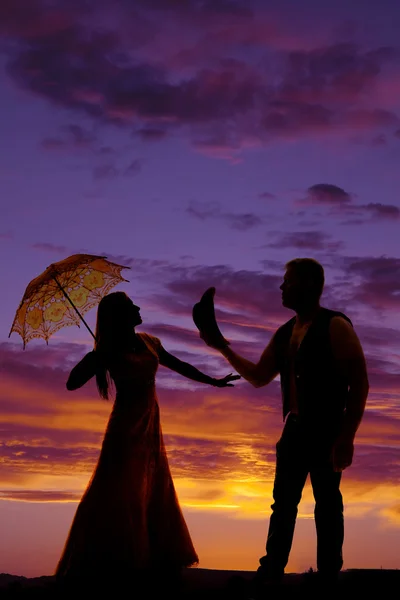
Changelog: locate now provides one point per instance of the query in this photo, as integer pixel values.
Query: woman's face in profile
(119, 311)
(136, 318)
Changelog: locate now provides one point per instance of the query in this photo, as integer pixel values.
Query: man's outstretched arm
(258, 374)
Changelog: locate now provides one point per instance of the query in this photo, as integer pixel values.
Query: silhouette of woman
(129, 521)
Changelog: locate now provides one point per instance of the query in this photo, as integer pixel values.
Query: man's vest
(321, 390)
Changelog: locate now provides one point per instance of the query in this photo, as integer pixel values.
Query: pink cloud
(267, 196)
(151, 134)
(379, 210)
(387, 93)
(52, 248)
(367, 119)
(341, 203)
(327, 193)
(115, 78)
(27, 19)
(40, 496)
(306, 240)
(239, 221)
(378, 286)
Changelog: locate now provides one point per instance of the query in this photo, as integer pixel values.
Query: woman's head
(117, 317)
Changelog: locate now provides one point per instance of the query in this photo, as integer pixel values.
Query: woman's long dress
(129, 517)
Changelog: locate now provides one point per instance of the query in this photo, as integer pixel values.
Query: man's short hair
(309, 268)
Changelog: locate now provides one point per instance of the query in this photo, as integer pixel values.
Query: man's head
(303, 283)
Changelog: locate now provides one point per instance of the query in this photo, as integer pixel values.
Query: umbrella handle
(74, 307)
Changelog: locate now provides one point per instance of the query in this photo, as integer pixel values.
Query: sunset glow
(200, 144)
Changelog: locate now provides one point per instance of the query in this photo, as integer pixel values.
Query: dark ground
(207, 584)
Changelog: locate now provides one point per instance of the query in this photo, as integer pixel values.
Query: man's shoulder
(282, 334)
(286, 326)
(340, 327)
(335, 316)
(344, 339)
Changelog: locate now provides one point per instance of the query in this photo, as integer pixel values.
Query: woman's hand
(224, 381)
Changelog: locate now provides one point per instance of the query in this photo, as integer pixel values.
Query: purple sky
(200, 143)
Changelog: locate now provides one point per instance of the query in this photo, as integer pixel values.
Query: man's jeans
(300, 452)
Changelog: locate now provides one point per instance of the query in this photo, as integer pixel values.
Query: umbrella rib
(74, 307)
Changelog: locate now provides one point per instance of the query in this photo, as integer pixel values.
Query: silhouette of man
(324, 387)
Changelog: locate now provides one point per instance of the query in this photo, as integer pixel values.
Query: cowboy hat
(204, 318)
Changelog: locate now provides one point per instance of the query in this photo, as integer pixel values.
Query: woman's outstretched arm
(82, 372)
(183, 368)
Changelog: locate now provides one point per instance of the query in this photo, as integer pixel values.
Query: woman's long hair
(114, 335)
